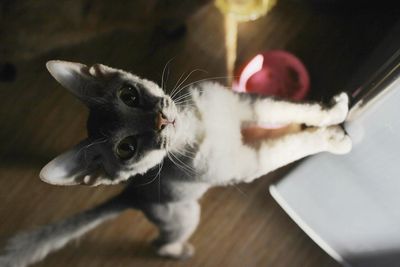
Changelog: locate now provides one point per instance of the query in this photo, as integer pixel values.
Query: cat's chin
(168, 136)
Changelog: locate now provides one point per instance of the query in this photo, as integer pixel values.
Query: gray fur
(182, 146)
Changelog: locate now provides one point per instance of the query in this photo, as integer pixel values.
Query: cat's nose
(162, 121)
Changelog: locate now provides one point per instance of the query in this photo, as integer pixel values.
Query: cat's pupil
(130, 96)
(126, 147)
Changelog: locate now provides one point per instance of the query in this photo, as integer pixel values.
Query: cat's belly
(227, 165)
(253, 135)
(222, 157)
(182, 190)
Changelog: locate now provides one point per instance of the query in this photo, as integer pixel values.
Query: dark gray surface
(349, 204)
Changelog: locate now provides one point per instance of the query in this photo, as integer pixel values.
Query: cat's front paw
(180, 251)
(338, 141)
(340, 108)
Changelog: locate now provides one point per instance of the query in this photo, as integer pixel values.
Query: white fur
(280, 112)
(150, 160)
(223, 158)
(221, 150)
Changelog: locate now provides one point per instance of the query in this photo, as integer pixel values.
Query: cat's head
(131, 126)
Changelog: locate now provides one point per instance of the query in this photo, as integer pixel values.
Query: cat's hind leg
(176, 222)
(275, 153)
(271, 111)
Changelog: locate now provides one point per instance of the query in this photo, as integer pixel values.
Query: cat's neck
(189, 130)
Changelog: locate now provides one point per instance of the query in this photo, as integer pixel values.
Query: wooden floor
(240, 226)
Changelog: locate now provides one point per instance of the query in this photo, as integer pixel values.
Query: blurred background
(240, 226)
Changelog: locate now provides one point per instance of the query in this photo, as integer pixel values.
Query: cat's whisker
(188, 99)
(187, 103)
(184, 154)
(209, 79)
(187, 151)
(183, 105)
(155, 177)
(95, 142)
(85, 148)
(188, 93)
(160, 167)
(163, 72)
(184, 96)
(180, 165)
(159, 180)
(166, 80)
(177, 88)
(146, 183)
(172, 94)
(184, 151)
(176, 164)
(180, 84)
(183, 163)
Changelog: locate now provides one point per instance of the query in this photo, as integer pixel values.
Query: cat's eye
(129, 94)
(126, 149)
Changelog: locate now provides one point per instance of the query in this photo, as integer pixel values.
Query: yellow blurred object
(230, 46)
(239, 11)
(245, 10)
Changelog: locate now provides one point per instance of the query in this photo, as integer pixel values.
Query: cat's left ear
(72, 166)
(83, 81)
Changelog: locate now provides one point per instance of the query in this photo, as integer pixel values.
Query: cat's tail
(30, 247)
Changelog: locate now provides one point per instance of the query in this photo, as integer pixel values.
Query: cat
(169, 150)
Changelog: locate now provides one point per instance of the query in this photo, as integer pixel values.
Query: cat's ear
(83, 81)
(71, 167)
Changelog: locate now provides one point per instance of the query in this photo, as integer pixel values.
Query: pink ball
(274, 73)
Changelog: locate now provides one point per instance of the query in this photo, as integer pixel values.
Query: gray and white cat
(175, 148)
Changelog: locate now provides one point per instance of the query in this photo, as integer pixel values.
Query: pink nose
(162, 121)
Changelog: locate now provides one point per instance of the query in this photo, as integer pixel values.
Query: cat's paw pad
(180, 251)
(340, 108)
(338, 141)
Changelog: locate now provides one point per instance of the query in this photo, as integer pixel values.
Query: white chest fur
(222, 148)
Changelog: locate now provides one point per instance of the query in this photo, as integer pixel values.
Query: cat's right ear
(71, 167)
(83, 81)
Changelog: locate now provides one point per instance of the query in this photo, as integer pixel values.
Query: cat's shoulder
(213, 90)
(209, 87)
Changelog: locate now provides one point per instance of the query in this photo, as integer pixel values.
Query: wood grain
(240, 226)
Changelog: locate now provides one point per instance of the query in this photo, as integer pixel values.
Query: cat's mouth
(167, 125)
